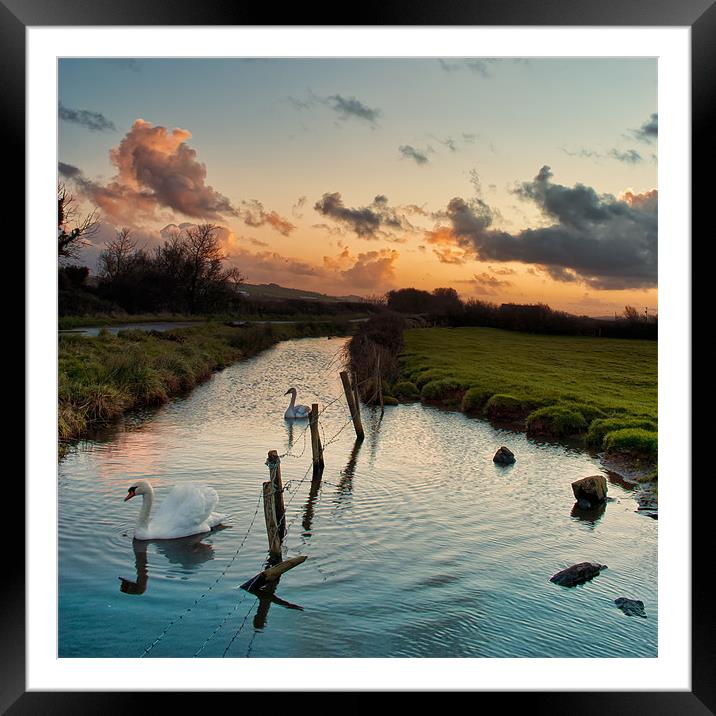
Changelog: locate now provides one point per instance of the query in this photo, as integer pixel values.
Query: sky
(511, 180)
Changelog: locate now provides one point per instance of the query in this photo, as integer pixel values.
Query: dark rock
(631, 607)
(504, 456)
(591, 490)
(577, 574)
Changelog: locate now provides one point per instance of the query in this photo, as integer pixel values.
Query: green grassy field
(103, 376)
(505, 374)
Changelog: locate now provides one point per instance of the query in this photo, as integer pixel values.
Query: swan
(187, 510)
(293, 410)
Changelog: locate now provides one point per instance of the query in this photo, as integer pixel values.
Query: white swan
(293, 410)
(187, 510)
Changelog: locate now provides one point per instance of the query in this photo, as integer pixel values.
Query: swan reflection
(188, 553)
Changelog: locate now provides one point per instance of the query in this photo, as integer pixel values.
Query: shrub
(632, 440)
(440, 389)
(405, 390)
(589, 412)
(556, 421)
(390, 400)
(474, 400)
(601, 427)
(502, 406)
(425, 376)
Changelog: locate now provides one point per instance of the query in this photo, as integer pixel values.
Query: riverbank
(601, 393)
(102, 377)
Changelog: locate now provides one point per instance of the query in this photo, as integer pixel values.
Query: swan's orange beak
(130, 496)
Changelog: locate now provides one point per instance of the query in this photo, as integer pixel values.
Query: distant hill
(273, 290)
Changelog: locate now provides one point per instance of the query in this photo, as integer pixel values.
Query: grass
(555, 385)
(104, 376)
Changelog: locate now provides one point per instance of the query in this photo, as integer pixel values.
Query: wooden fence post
(379, 378)
(274, 465)
(357, 417)
(274, 538)
(316, 447)
(351, 405)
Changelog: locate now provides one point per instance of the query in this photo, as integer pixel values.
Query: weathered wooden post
(351, 405)
(357, 417)
(274, 465)
(274, 537)
(316, 447)
(379, 378)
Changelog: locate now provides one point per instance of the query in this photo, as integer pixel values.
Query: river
(418, 545)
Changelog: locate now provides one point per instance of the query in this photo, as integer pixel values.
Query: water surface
(418, 545)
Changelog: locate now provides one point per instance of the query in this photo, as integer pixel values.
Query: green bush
(475, 399)
(440, 389)
(405, 390)
(632, 440)
(589, 412)
(556, 420)
(424, 377)
(390, 400)
(601, 427)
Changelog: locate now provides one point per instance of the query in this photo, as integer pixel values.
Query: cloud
(345, 107)
(628, 156)
(599, 240)
(94, 121)
(297, 208)
(156, 169)
(649, 131)
(480, 67)
(255, 215)
(366, 221)
(485, 283)
(350, 107)
(410, 152)
(372, 269)
(68, 170)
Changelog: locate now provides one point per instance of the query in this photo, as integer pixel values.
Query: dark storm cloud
(366, 221)
(410, 152)
(597, 239)
(649, 131)
(95, 121)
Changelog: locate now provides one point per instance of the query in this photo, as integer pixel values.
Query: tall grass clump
(438, 390)
(600, 428)
(474, 400)
(632, 440)
(556, 421)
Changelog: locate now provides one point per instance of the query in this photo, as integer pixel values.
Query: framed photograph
(346, 373)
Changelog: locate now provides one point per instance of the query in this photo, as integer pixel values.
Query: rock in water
(577, 574)
(504, 456)
(631, 607)
(591, 490)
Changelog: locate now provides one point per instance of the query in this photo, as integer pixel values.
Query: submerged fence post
(316, 447)
(354, 409)
(274, 465)
(357, 417)
(274, 539)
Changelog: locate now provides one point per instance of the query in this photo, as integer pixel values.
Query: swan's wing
(184, 510)
(302, 411)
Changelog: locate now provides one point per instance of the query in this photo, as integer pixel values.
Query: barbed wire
(287, 487)
(210, 588)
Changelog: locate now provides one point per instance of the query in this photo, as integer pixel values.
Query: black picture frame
(699, 15)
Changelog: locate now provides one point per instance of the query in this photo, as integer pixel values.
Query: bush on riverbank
(600, 428)
(632, 440)
(556, 421)
(104, 376)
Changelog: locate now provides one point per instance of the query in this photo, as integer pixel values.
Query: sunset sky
(511, 180)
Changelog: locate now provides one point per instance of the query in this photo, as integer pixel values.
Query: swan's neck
(293, 401)
(147, 500)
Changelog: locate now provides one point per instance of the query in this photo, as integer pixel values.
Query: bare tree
(632, 314)
(118, 255)
(71, 239)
